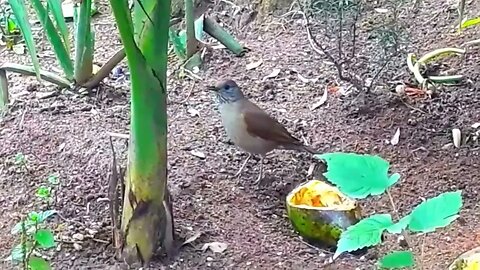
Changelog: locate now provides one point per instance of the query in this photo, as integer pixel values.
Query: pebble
(77, 246)
(78, 236)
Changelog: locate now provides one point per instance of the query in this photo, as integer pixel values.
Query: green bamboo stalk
(146, 219)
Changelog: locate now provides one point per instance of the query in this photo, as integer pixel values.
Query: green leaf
(57, 12)
(43, 192)
(17, 254)
(397, 259)
(36, 263)
(21, 14)
(436, 212)
(367, 232)
(400, 225)
(18, 227)
(358, 176)
(42, 216)
(63, 56)
(179, 43)
(470, 22)
(45, 238)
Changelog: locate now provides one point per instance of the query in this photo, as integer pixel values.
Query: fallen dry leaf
(306, 80)
(476, 125)
(254, 64)
(192, 238)
(322, 100)
(396, 137)
(272, 74)
(197, 154)
(216, 247)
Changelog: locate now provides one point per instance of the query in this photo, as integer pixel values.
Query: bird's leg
(260, 174)
(243, 166)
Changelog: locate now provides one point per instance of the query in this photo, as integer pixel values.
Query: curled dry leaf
(322, 100)
(216, 247)
(476, 125)
(254, 64)
(457, 137)
(306, 80)
(272, 74)
(198, 154)
(396, 137)
(192, 238)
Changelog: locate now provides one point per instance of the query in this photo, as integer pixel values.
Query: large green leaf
(397, 259)
(21, 14)
(436, 212)
(45, 238)
(37, 263)
(57, 12)
(56, 41)
(358, 176)
(367, 232)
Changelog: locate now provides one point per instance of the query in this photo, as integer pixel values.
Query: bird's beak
(212, 88)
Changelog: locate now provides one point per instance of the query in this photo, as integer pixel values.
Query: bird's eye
(227, 87)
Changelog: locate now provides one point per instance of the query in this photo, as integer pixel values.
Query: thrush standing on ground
(251, 128)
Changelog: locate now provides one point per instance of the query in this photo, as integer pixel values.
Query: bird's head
(227, 91)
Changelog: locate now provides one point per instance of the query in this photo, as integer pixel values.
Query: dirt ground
(67, 134)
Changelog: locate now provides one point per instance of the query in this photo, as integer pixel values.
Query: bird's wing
(260, 124)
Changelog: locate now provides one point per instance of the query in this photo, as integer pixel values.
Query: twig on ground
(118, 135)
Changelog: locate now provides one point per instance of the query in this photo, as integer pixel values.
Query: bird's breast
(236, 130)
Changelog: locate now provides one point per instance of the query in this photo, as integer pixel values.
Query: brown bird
(251, 128)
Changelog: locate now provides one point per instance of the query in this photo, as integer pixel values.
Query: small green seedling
(33, 237)
(359, 176)
(45, 192)
(20, 159)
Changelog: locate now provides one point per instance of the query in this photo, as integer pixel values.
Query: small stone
(77, 246)
(91, 232)
(78, 236)
(209, 259)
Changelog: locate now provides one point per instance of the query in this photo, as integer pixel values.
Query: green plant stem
(84, 43)
(4, 97)
(192, 42)
(215, 30)
(397, 216)
(30, 71)
(56, 41)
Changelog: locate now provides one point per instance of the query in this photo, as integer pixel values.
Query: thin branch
(340, 31)
(320, 49)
